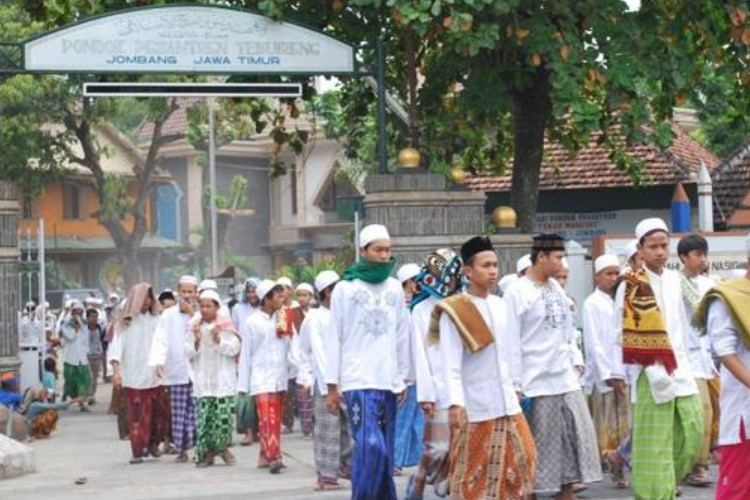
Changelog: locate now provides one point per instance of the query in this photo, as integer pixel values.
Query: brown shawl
(134, 303)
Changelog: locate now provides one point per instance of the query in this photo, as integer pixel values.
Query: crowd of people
(484, 383)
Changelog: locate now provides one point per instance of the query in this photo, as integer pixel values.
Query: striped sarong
(372, 419)
(565, 442)
(675, 426)
(182, 404)
(306, 410)
(331, 441)
(77, 380)
(610, 412)
(215, 419)
(495, 459)
(409, 431)
(290, 405)
(704, 452)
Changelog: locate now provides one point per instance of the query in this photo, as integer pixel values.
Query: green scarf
(369, 271)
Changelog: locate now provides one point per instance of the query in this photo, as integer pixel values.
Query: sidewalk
(86, 445)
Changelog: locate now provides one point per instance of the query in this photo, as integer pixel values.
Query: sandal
(228, 458)
(275, 468)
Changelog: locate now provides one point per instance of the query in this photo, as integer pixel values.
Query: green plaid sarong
(77, 380)
(215, 419)
(657, 429)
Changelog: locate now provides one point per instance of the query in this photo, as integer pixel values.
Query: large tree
(498, 76)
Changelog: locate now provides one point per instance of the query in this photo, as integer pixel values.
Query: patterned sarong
(495, 459)
(182, 404)
(675, 426)
(147, 427)
(734, 481)
(372, 419)
(409, 431)
(434, 467)
(565, 442)
(247, 417)
(704, 452)
(306, 411)
(119, 406)
(610, 412)
(77, 380)
(215, 419)
(269, 406)
(332, 443)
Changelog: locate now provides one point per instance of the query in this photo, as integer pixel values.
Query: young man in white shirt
(129, 356)
(331, 441)
(494, 451)
(263, 371)
(667, 415)
(170, 359)
(247, 416)
(724, 313)
(367, 359)
(608, 395)
(545, 363)
(76, 371)
(693, 252)
(440, 277)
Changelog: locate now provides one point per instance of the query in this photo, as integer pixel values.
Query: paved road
(86, 445)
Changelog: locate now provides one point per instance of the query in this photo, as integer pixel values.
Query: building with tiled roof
(731, 188)
(585, 195)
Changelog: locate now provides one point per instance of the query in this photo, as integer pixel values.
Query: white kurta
(699, 346)
(76, 342)
(540, 339)
(168, 347)
(214, 366)
(734, 400)
(264, 358)
(427, 358)
(664, 387)
(600, 340)
(370, 345)
(315, 328)
(240, 313)
(131, 347)
(479, 382)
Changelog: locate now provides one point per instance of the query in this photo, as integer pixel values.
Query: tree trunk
(531, 111)
(131, 267)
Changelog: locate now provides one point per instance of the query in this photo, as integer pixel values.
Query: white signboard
(188, 39)
(582, 226)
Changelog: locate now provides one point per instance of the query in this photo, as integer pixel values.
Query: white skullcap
(523, 263)
(604, 261)
(325, 279)
(506, 281)
(305, 287)
(371, 233)
(76, 304)
(208, 285)
(631, 249)
(407, 272)
(650, 225)
(188, 280)
(264, 288)
(565, 264)
(284, 281)
(211, 294)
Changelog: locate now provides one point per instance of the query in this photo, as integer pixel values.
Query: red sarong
(734, 480)
(148, 417)
(269, 406)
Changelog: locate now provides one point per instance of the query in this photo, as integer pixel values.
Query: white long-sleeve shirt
(370, 345)
(240, 313)
(734, 400)
(427, 357)
(540, 338)
(599, 340)
(76, 342)
(699, 346)
(168, 347)
(664, 387)
(315, 328)
(214, 367)
(131, 347)
(264, 358)
(480, 382)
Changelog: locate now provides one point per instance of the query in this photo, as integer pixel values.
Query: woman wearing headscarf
(129, 356)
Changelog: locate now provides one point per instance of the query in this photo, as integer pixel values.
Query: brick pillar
(9, 299)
